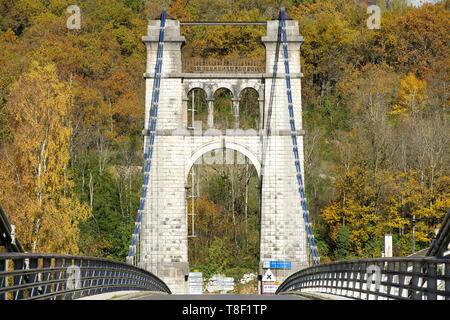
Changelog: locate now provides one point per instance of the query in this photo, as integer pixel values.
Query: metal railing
(439, 247)
(63, 277)
(224, 23)
(7, 235)
(376, 279)
(198, 65)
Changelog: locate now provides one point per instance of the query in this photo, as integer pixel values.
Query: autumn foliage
(37, 188)
(375, 110)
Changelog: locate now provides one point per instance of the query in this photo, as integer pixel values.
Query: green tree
(343, 243)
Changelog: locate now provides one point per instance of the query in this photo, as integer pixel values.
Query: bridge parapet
(65, 277)
(376, 279)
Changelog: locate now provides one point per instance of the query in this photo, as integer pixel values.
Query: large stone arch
(220, 145)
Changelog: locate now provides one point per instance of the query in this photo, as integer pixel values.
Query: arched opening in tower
(197, 108)
(249, 109)
(223, 217)
(224, 115)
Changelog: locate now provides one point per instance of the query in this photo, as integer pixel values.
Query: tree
(415, 40)
(35, 170)
(343, 243)
(411, 96)
(375, 108)
(330, 39)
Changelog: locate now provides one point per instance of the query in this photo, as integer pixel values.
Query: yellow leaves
(395, 222)
(391, 40)
(226, 41)
(350, 213)
(411, 96)
(330, 214)
(40, 106)
(414, 39)
(8, 36)
(178, 10)
(323, 26)
(210, 221)
(66, 214)
(374, 88)
(371, 207)
(36, 162)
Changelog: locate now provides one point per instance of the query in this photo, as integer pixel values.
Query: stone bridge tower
(164, 231)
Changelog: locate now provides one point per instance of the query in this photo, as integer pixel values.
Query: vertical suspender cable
(301, 189)
(132, 257)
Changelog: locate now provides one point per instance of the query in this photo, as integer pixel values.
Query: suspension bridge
(157, 260)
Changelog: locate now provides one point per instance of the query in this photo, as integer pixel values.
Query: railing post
(348, 273)
(76, 262)
(339, 280)
(366, 282)
(113, 267)
(98, 265)
(393, 267)
(354, 268)
(109, 278)
(325, 278)
(18, 265)
(3, 278)
(431, 281)
(362, 279)
(401, 280)
(447, 280)
(84, 276)
(58, 276)
(375, 277)
(89, 278)
(67, 295)
(104, 274)
(417, 269)
(46, 275)
(33, 277)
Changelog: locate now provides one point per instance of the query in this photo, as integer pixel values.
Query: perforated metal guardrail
(63, 277)
(376, 279)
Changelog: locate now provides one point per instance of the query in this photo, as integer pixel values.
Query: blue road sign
(278, 265)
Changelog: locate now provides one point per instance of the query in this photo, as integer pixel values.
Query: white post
(388, 246)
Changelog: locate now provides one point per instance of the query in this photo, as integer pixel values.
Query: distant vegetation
(225, 232)
(375, 109)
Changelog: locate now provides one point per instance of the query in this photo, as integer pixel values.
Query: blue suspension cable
(301, 189)
(149, 144)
